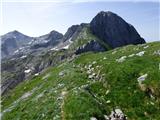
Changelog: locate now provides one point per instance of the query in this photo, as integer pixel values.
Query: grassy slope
(84, 37)
(75, 96)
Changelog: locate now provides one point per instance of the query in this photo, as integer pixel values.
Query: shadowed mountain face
(114, 30)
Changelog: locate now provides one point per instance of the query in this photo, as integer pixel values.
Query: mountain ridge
(110, 28)
(21, 43)
(77, 40)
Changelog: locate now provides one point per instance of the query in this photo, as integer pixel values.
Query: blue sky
(36, 18)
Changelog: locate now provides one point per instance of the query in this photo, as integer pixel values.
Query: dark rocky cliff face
(71, 30)
(93, 46)
(114, 30)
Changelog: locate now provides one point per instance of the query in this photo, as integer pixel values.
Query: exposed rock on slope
(114, 30)
(71, 30)
(74, 32)
(14, 71)
(90, 46)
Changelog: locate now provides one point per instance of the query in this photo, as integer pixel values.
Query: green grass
(84, 97)
(84, 37)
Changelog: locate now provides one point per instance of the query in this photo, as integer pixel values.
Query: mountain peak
(114, 30)
(15, 32)
(53, 31)
(107, 13)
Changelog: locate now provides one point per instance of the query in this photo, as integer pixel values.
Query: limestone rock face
(114, 31)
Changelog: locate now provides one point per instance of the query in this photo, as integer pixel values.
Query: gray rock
(92, 45)
(71, 35)
(70, 32)
(157, 52)
(116, 114)
(114, 31)
(93, 118)
(61, 73)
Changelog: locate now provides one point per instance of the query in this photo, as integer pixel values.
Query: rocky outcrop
(114, 31)
(74, 31)
(92, 45)
(71, 30)
(71, 35)
(116, 114)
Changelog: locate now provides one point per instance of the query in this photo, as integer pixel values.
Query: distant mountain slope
(124, 81)
(14, 43)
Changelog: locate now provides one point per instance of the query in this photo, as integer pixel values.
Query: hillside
(124, 81)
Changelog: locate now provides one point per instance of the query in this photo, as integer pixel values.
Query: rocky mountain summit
(114, 31)
(15, 43)
(12, 41)
(106, 29)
